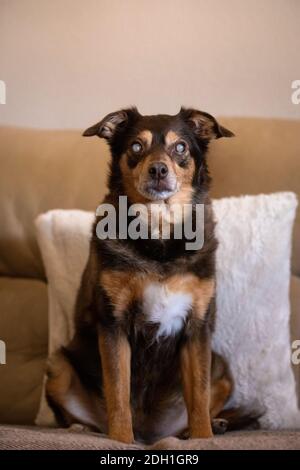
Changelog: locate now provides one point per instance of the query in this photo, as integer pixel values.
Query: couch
(47, 169)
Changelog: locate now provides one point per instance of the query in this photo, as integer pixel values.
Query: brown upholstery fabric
(42, 170)
(23, 327)
(42, 439)
(263, 157)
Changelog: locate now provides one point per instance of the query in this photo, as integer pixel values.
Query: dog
(140, 364)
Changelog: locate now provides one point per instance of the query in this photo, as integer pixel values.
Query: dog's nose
(158, 170)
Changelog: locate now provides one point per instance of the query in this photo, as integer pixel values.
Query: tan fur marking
(171, 137)
(59, 376)
(221, 385)
(130, 180)
(115, 358)
(186, 374)
(206, 289)
(183, 196)
(195, 364)
(220, 392)
(64, 388)
(184, 177)
(202, 291)
(195, 368)
(146, 137)
(118, 287)
(123, 288)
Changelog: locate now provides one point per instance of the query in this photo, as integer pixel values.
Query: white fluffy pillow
(253, 273)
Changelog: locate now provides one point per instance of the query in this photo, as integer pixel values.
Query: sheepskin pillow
(253, 273)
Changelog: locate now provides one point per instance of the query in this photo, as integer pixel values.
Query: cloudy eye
(180, 147)
(136, 147)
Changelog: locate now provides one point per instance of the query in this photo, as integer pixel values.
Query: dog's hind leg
(221, 389)
(221, 385)
(69, 400)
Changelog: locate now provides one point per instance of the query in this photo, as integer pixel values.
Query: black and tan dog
(140, 363)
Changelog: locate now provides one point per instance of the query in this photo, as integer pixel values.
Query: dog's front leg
(195, 371)
(115, 359)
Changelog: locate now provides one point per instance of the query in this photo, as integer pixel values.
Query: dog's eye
(136, 147)
(180, 147)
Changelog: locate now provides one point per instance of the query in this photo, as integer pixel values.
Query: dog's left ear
(204, 125)
(110, 124)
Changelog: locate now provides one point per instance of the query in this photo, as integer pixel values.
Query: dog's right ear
(204, 125)
(111, 123)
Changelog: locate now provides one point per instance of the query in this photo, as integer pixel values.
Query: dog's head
(161, 157)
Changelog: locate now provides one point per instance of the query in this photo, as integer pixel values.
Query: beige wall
(68, 62)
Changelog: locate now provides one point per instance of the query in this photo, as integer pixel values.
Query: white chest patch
(168, 309)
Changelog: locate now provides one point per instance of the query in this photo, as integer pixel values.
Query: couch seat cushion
(22, 438)
(23, 328)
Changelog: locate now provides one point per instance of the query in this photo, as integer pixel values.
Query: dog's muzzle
(159, 183)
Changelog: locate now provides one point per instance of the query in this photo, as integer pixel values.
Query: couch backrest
(42, 170)
(263, 157)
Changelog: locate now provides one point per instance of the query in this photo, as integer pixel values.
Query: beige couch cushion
(262, 158)
(42, 170)
(21, 438)
(23, 327)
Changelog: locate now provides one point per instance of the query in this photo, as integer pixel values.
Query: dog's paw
(201, 434)
(77, 427)
(219, 425)
(185, 434)
(126, 438)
